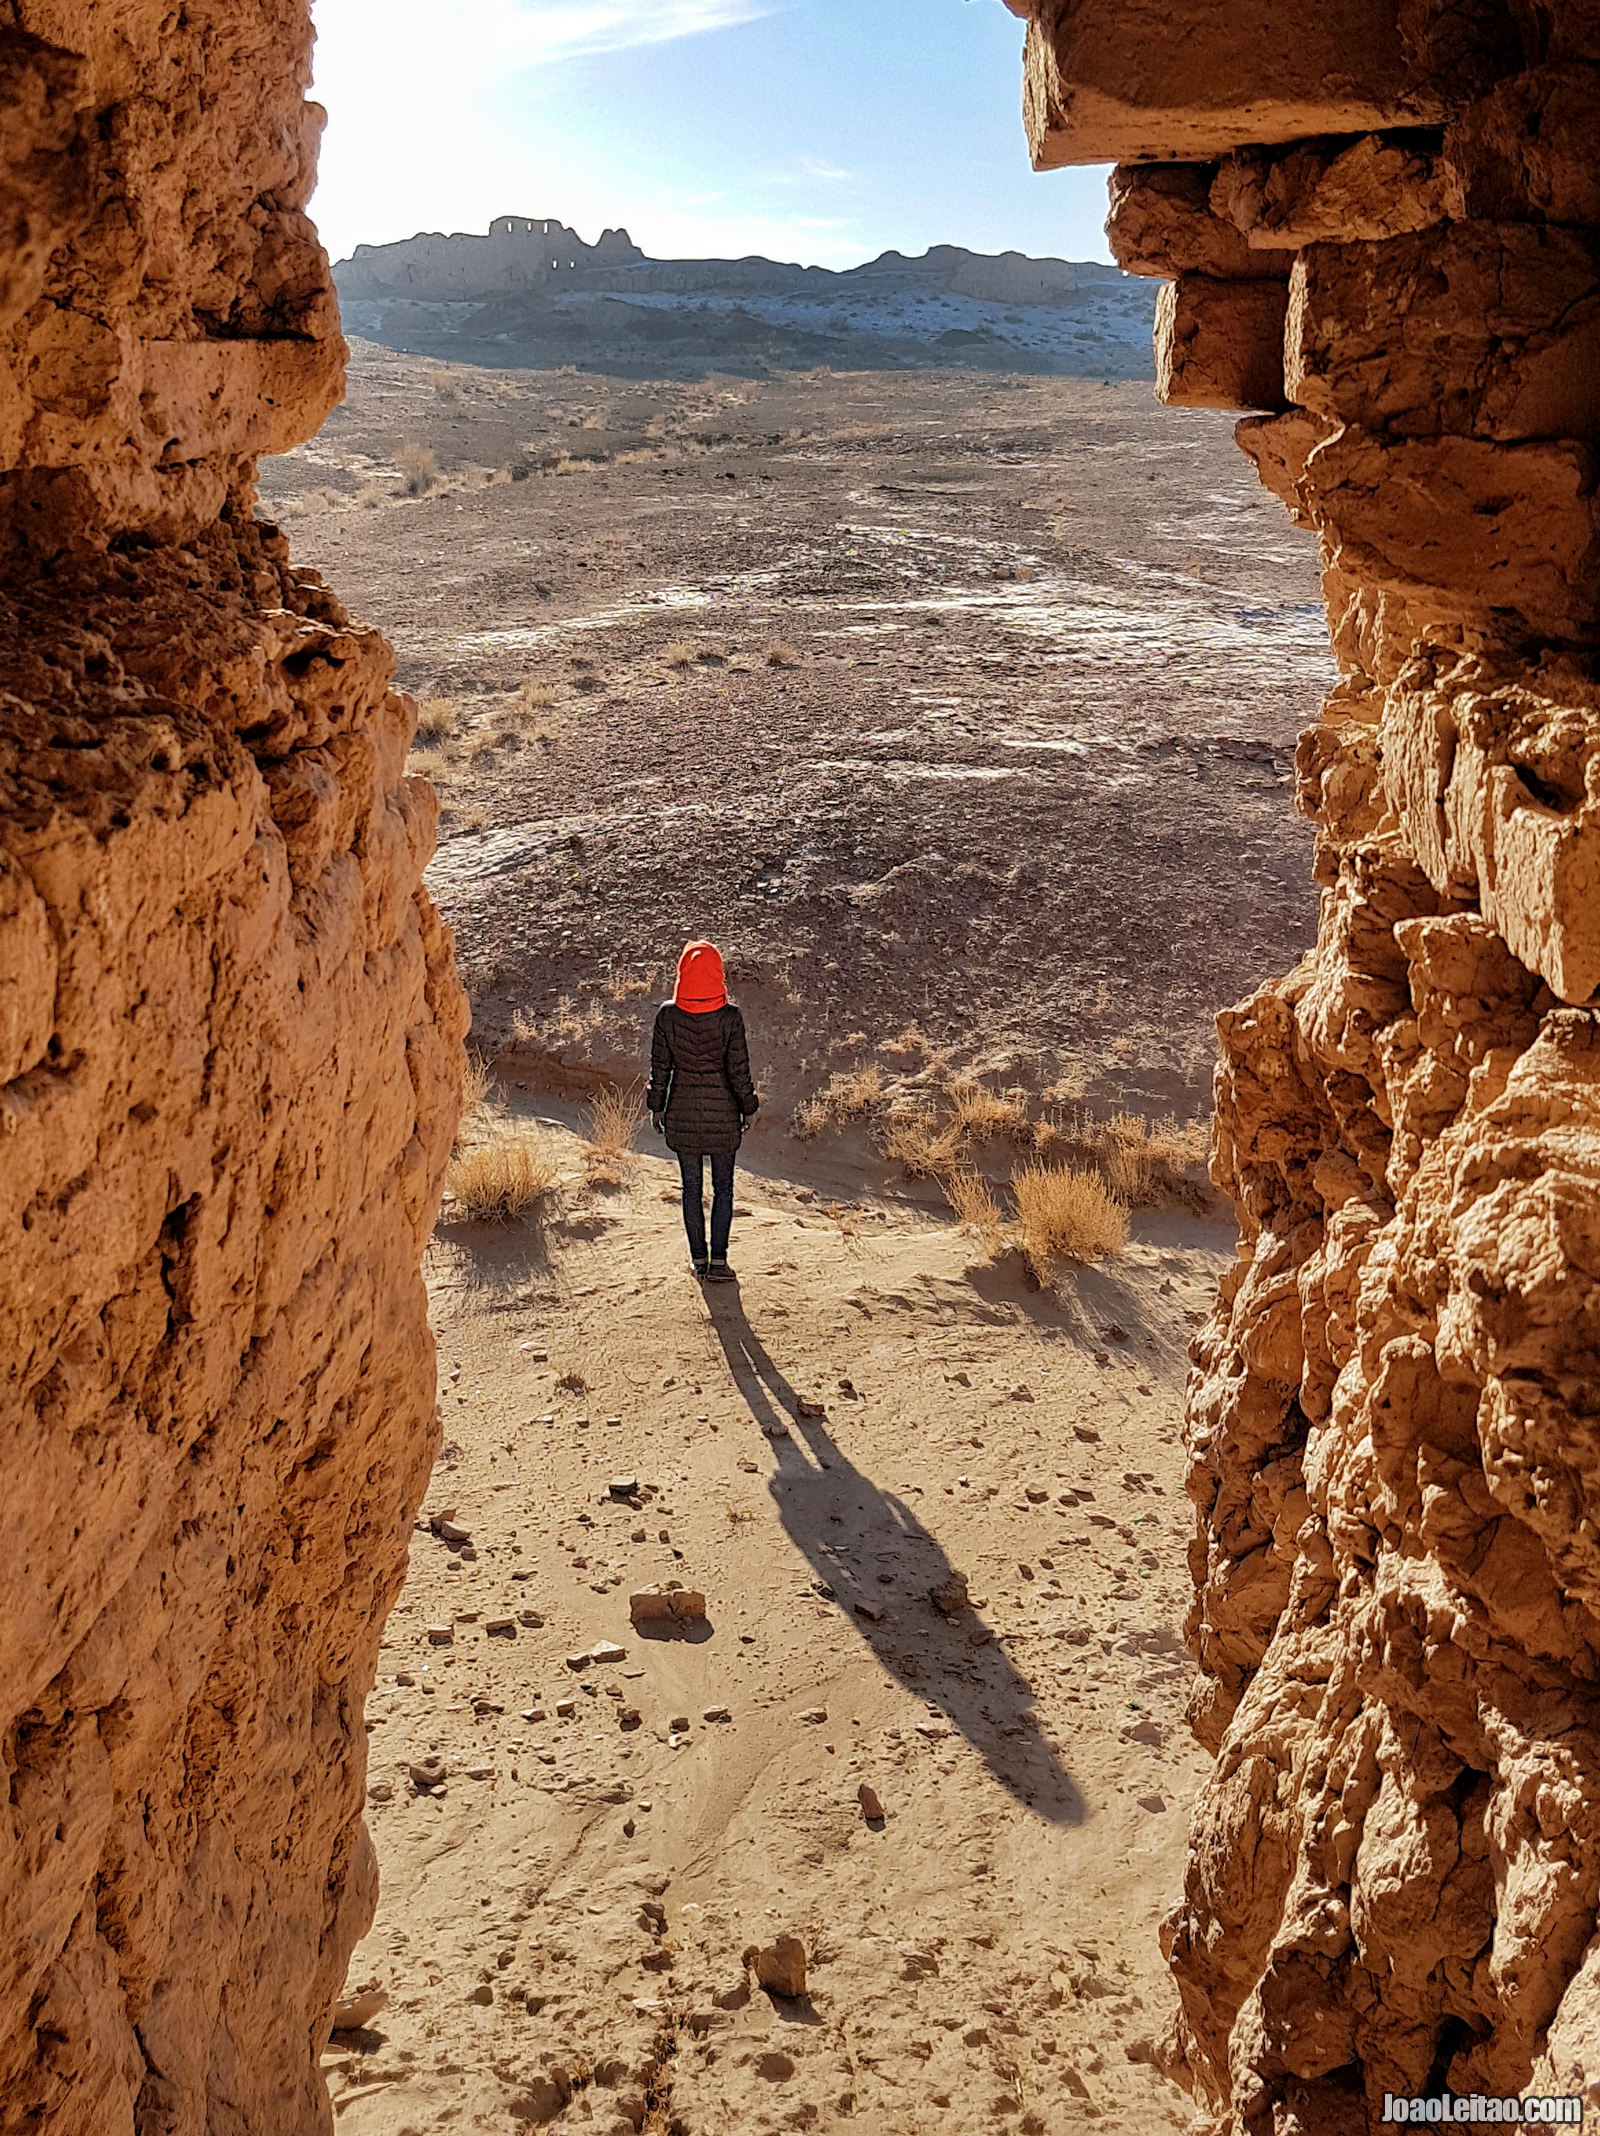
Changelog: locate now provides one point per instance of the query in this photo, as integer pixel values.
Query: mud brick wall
(229, 1066)
(1381, 232)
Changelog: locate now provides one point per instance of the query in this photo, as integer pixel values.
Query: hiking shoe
(701, 1268)
(719, 1272)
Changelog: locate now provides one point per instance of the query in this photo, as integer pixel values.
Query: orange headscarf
(702, 984)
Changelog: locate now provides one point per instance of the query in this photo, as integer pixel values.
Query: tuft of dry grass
(922, 1145)
(430, 764)
(443, 383)
(1066, 1215)
(615, 1116)
(438, 721)
(501, 1178)
(976, 1210)
(909, 1044)
(849, 1094)
(536, 696)
(779, 653)
(419, 469)
(983, 1113)
(680, 654)
(1148, 1165)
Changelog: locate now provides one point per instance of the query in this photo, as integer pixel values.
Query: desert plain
(960, 709)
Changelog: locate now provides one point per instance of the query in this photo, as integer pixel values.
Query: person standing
(701, 1097)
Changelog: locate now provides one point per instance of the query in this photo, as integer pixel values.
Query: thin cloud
(523, 33)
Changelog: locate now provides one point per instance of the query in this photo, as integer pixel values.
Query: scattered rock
(871, 1807)
(530, 1619)
(951, 1596)
(815, 1715)
(578, 1661)
(482, 1993)
(1037, 1494)
(566, 1708)
(1147, 1731)
(680, 1726)
(380, 1791)
(501, 1628)
(1153, 1803)
(441, 1634)
(427, 1772)
(803, 1408)
(780, 1967)
(871, 1611)
(450, 1531)
(624, 1486)
(717, 1713)
(607, 1650)
(351, 2012)
(1087, 1433)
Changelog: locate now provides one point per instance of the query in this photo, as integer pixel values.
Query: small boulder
(951, 1597)
(608, 1650)
(871, 1806)
(450, 1531)
(427, 1772)
(353, 2011)
(666, 1605)
(780, 1967)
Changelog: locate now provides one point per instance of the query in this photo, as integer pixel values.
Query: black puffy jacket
(700, 1078)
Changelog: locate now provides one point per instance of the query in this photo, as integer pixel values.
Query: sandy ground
(564, 1918)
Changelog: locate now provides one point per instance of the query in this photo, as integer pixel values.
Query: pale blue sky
(823, 131)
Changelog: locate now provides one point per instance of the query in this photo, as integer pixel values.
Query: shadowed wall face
(1382, 232)
(229, 1065)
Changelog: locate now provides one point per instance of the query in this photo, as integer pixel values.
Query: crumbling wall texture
(1381, 225)
(229, 1051)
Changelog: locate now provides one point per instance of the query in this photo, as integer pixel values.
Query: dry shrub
(475, 1086)
(503, 1177)
(982, 1113)
(371, 494)
(1146, 1165)
(428, 764)
(977, 1211)
(535, 696)
(849, 1094)
(910, 1044)
(438, 721)
(443, 384)
(1066, 1215)
(614, 1120)
(922, 1145)
(779, 653)
(419, 469)
(679, 654)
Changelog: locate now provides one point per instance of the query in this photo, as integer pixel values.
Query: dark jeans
(694, 1204)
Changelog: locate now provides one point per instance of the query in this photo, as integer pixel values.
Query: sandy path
(562, 1922)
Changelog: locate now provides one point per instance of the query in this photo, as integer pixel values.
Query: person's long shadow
(846, 1525)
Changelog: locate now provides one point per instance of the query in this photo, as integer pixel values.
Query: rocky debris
(427, 1773)
(779, 1967)
(814, 1716)
(358, 2008)
(871, 1806)
(441, 1634)
(872, 1611)
(500, 1628)
(607, 1650)
(668, 1604)
(809, 1409)
(951, 1597)
(624, 1487)
(717, 1713)
(450, 1531)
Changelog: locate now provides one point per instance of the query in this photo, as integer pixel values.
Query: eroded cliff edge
(229, 1063)
(1383, 233)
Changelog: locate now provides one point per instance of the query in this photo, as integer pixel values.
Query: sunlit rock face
(229, 1046)
(1382, 231)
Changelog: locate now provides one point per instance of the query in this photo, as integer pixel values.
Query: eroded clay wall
(1381, 227)
(229, 1046)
